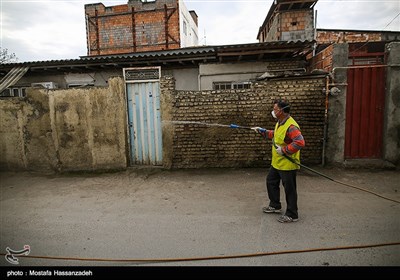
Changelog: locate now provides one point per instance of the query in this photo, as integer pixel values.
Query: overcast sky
(55, 29)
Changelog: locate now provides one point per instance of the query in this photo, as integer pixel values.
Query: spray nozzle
(232, 125)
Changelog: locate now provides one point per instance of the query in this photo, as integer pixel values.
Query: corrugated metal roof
(150, 54)
(181, 51)
(182, 55)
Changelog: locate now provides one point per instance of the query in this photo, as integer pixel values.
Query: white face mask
(273, 112)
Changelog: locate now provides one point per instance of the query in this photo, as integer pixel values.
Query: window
(184, 28)
(241, 85)
(13, 92)
(79, 79)
(231, 85)
(221, 85)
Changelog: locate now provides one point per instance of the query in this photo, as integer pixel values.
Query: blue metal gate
(143, 96)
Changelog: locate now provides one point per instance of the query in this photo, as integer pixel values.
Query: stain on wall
(65, 130)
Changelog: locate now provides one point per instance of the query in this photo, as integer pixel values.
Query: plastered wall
(65, 130)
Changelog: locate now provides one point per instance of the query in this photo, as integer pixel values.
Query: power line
(391, 21)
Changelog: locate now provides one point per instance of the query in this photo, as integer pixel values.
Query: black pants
(289, 183)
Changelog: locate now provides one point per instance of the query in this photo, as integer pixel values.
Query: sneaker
(270, 209)
(287, 219)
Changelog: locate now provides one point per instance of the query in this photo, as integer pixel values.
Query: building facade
(288, 21)
(139, 26)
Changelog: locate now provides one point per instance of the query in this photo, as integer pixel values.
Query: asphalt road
(206, 217)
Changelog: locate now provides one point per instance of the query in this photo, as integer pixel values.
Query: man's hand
(279, 150)
(259, 129)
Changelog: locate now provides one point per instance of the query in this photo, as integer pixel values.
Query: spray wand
(232, 125)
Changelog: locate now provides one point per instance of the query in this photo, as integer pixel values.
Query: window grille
(231, 85)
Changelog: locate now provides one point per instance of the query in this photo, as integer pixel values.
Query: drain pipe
(325, 120)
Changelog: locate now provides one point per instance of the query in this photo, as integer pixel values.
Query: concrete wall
(189, 37)
(194, 145)
(65, 130)
(240, 72)
(391, 131)
(337, 107)
(185, 78)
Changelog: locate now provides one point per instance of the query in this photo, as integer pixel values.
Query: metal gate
(364, 112)
(143, 96)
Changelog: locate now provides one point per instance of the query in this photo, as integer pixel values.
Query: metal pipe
(361, 66)
(325, 120)
(315, 34)
(254, 72)
(87, 32)
(364, 66)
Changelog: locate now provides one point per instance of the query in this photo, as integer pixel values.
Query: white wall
(188, 28)
(186, 79)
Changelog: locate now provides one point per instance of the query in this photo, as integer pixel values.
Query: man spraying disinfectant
(287, 142)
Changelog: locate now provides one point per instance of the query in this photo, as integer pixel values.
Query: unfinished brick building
(293, 20)
(138, 26)
(288, 21)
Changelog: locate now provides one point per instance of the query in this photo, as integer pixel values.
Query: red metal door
(364, 112)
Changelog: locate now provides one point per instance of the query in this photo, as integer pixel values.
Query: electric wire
(238, 256)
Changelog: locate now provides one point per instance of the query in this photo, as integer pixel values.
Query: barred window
(241, 85)
(221, 85)
(231, 85)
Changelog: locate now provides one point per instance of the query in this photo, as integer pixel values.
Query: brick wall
(297, 25)
(324, 37)
(193, 145)
(290, 26)
(271, 30)
(134, 27)
(322, 60)
(296, 20)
